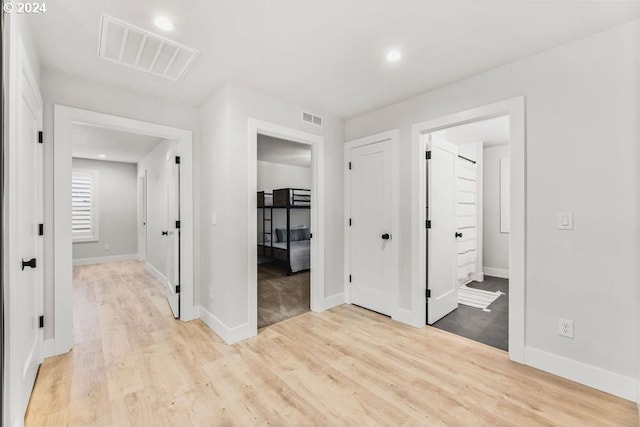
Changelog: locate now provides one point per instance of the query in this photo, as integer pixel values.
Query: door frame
(64, 117)
(515, 109)
(316, 142)
(393, 137)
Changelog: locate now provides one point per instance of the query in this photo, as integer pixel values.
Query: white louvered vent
(137, 48)
(311, 118)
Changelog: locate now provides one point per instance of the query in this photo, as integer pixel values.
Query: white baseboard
(407, 317)
(49, 348)
(105, 259)
(333, 301)
(592, 376)
(496, 272)
(154, 272)
(230, 335)
(466, 282)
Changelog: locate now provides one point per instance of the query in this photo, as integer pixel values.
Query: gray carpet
(488, 328)
(281, 297)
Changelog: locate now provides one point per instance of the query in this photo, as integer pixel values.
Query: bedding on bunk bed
(300, 254)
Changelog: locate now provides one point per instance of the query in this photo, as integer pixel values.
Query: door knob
(458, 234)
(386, 236)
(165, 233)
(31, 263)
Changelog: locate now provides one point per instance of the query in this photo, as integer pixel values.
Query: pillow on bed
(295, 234)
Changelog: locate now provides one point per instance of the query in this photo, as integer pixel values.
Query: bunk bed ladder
(266, 233)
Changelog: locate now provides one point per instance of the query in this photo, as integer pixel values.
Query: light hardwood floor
(133, 364)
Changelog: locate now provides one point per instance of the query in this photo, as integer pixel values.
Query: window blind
(82, 205)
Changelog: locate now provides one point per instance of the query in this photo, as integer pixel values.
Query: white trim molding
(515, 109)
(64, 118)
(155, 272)
(496, 272)
(589, 375)
(393, 137)
(105, 259)
(333, 301)
(49, 347)
(229, 335)
(316, 142)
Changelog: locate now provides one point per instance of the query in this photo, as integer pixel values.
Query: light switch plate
(214, 218)
(565, 220)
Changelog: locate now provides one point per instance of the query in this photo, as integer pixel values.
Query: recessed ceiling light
(394, 55)
(163, 23)
(102, 156)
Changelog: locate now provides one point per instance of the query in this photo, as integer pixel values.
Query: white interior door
(442, 247)
(370, 227)
(142, 216)
(29, 255)
(173, 232)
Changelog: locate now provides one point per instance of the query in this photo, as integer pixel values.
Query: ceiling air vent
(311, 118)
(137, 48)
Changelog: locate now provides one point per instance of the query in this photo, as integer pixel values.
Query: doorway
(515, 110)
(64, 120)
(468, 251)
(284, 229)
(316, 213)
(114, 212)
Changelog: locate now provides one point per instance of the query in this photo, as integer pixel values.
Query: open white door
(371, 251)
(442, 246)
(26, 350)
(142, 216)
(173, 231)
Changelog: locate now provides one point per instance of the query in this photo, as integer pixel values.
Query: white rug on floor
(477, 297)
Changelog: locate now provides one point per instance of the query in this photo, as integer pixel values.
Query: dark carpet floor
(488, 328)
(281, 297)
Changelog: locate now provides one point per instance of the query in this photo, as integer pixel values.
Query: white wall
(495, 243)
(224, 166)
(117, 210)
(582, 124)
(272, 176)
(73, 91)
(155, 163)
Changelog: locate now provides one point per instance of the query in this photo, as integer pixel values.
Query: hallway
(133, 364)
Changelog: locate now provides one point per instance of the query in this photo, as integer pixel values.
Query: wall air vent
(137, 48)
(311, 118)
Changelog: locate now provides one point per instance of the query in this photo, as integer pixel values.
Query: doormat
(477, 297)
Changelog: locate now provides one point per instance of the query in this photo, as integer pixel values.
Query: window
(84, 205)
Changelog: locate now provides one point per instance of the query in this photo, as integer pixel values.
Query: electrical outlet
(210, 294)
(107, 247)
(565, 327)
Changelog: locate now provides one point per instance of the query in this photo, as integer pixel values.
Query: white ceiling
(327, 55)
(88, 142)
(492, 132)
(277, 150)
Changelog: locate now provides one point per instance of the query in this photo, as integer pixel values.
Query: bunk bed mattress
(300, 255)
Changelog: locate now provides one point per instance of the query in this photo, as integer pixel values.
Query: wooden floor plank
(133, 364)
